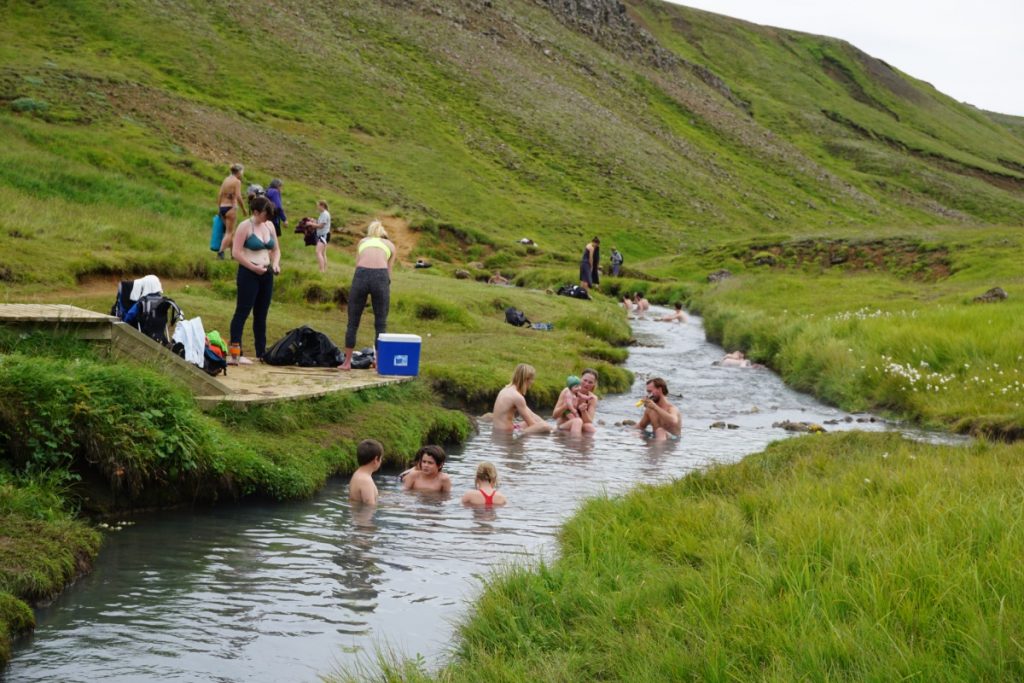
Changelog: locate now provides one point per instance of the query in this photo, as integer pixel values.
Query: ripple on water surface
(283, 592)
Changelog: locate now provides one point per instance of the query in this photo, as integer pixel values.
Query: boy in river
(512, 401)
(429, 476)
(661, 416)
(361, 488)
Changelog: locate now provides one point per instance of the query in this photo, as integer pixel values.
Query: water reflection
(282, 592)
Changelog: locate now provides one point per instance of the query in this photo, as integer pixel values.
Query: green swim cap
(572, 381)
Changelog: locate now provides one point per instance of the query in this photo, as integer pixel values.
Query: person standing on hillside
(323, 234)
(375, 257)
(229, 200)
(616, 261)
(588, 265)
(274, 195)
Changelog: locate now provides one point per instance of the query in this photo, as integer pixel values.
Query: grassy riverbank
(884, 324)
(851, 556)
(83, 434)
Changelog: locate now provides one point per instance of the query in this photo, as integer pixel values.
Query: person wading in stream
(511, 401)
(660, 415)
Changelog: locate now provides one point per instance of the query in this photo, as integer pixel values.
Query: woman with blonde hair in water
(375, 257)
(486, 492)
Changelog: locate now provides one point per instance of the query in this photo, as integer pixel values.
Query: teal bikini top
(254, 243)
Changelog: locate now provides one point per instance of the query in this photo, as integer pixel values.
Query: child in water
(486, 492)
(429, 477)
(568, 397)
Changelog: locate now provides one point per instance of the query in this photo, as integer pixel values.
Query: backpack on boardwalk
(514, 316)
(214, 362)
(154, 315)
(305, 347)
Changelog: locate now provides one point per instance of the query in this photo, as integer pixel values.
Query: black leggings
(254, 294)
(375, 282)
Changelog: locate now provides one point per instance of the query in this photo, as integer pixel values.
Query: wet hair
(435, 452)
(368, 450)
(590, 371)
(679, 305)
(660, 384)
(376, 229)
(260, 204)
(522, 375)
(237, 168)
(486, 471)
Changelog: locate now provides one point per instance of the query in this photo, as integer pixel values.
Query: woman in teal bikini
(258, 253)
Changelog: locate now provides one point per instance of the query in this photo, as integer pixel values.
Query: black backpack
(305, 347)
(153, 315)
(362, 359)
(514, 316)
(574, 291)
(214, 362)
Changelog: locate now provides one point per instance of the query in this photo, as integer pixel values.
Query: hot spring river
(284, 592)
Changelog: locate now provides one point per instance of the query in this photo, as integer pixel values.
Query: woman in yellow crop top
(375, 256)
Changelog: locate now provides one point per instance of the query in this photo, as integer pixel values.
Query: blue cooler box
(399, 354)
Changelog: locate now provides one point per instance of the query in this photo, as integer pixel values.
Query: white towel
(191, 334)
(146, 285)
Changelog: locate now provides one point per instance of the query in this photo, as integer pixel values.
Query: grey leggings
(375, 282)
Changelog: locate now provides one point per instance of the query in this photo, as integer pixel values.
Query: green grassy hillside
(503, 120)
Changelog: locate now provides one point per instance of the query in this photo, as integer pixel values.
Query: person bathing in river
(566, 413)
(678, 316)
(511, 401)
(627, 303)
(429, 477)
(486, 491)
(361, 489)
(736, 359)
(640, 304)
(661, 416)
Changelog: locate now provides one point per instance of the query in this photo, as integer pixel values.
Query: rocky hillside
(654, 124)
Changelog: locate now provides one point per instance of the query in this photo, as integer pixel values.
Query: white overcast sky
(971, 51)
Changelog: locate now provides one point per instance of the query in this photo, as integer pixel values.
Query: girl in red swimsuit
(486, 492)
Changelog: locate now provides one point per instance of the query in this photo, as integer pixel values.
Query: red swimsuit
(488, 499)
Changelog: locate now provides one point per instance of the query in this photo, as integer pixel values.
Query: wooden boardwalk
(244, 385)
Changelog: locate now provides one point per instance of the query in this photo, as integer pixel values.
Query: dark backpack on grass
(305, 347)
(574, 291)
(514, 316)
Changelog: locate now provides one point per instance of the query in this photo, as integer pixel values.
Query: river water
(273, 592)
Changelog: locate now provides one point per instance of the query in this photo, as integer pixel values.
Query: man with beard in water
(661, 416)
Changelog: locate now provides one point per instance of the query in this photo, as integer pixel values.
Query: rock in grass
(804, 427)
(461, 274)
(719, 275)
(994, 295)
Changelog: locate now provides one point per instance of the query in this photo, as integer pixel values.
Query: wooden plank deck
(243, 385)
(259, 384)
